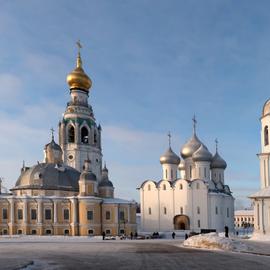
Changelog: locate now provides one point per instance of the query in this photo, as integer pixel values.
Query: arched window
(84, 135)
(95, 137)
(204, 172)
(165, 211)
(181, 210)
(164, 187)
(181, 186)
(190, 171)
(149, 187)
(71, 134)
(166, 174)
(198, 210)
(266, 139)
(172, 174)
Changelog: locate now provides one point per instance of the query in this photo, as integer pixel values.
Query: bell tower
(79, 135)
(264, 156)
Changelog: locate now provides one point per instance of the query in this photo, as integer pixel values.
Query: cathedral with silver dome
(191, 195)
(69, 193)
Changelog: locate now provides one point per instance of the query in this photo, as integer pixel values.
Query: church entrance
(181, 222)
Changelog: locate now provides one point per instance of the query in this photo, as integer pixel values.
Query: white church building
(191, 195)
(261, 199)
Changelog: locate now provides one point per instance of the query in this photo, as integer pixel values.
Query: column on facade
(74, 216)
(77, 135)
(39, 220)
(25, 211)
(55, 219)
(128, 217)
(11, 223)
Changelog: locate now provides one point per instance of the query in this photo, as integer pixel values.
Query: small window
(149, 211)
(165, 211)
(181, 186)
(199, 223)
(95, 137)
(89, 215)
(20, 214)
(5, 213)
(198, 185)
(198, 210)
(149, 187)
(66, 232)
(19, 231)
(108, 231)
(266, 138)
(228, 213)
(122, 215)
(33, 214)
(204, 172)
(71, 134)
(122, 231)
(48, 232)
(5, 232)
(164, 187)
(34, 232)
(216, 210)
(108, 215)
(84, 135)
(166, 174)
(181, 210)
(90, 232)
(66, 214)
(48, 214)
(172, 174)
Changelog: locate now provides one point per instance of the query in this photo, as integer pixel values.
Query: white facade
(261, 199)
(198, 201)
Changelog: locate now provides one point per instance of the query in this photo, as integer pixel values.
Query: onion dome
(202, 154)
(266, 108)
(218, 162)
(53, 152)
(169, 157)
(181, 166)
(191, 146)
(78, 79)
(87, 174)
(105, 182)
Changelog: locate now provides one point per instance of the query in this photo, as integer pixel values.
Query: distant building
(261, 199)
(243, 219)
(196, 199)
(69, 193)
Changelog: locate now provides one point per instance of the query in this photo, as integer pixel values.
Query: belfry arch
(181, 222)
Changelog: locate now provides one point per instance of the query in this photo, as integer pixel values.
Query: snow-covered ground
(214, 241)
(260, 237)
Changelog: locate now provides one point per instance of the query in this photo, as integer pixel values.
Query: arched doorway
(181, 222)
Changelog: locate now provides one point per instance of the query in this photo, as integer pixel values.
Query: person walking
(103, 236)
(173, 235)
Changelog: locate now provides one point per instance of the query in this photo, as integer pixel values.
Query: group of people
(131, 235)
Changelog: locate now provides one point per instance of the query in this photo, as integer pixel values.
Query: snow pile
(260, 237)
(214, 241)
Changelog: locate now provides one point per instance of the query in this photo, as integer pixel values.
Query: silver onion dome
(181, 166)
(218, 162)
(202, 154)
(169, 157)
(191, 146)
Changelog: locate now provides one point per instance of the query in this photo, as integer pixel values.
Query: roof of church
(49, 176)
(265, 192)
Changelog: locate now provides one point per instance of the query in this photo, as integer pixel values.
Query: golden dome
(78, 79)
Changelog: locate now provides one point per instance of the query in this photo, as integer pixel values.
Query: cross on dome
(52, 131)
(216, 141)
(194, 123)
(169, 138)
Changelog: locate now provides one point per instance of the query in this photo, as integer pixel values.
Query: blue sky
(153, 65)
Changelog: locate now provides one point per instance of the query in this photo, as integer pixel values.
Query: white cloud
(11, 89)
